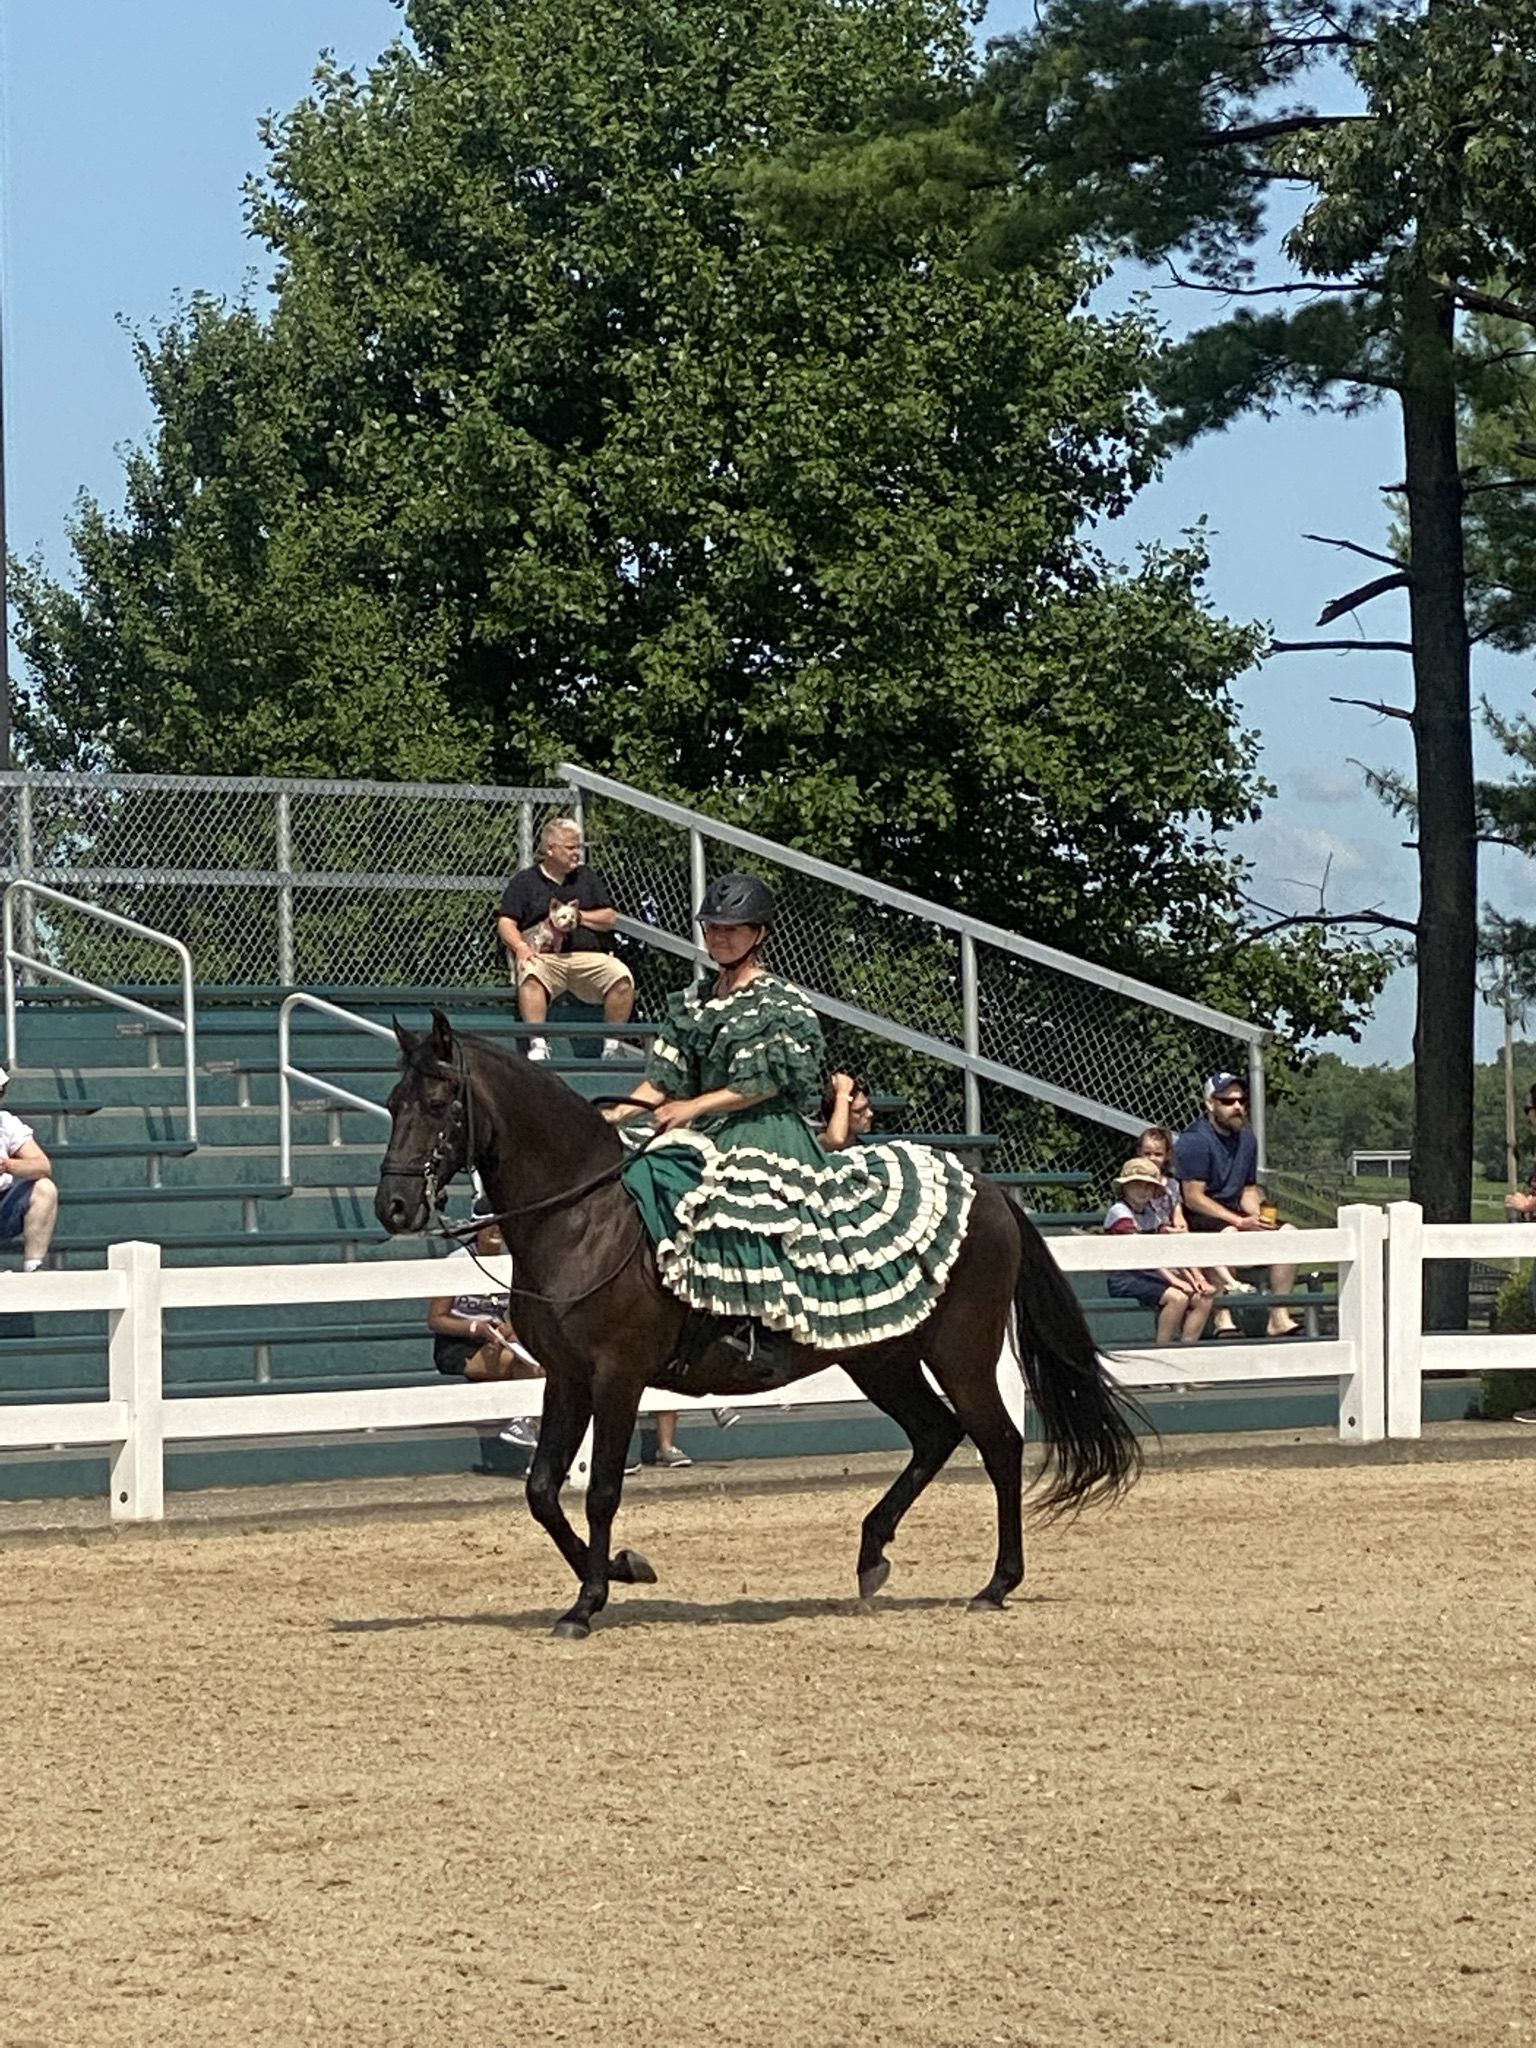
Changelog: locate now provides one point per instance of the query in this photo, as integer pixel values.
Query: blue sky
(127, 131)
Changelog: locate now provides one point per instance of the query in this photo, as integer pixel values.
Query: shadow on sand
(651, 1613)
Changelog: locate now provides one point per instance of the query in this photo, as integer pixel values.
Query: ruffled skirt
(838, 1249)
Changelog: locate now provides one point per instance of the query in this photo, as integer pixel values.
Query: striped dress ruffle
(752, 1219)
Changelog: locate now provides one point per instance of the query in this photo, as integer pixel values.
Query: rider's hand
(669, 1116)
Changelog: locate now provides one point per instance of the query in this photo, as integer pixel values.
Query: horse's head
(429, 1111)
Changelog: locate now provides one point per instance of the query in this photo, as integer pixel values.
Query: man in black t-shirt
(557, 923)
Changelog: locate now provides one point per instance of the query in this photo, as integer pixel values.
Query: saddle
(760, 1361)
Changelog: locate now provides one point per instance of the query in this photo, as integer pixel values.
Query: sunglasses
(1231, 1101)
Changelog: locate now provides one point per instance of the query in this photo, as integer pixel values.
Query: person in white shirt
(29, 1199)
(472, 1331)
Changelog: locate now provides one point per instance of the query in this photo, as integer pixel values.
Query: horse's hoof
(570, 1630)
(630, 1568)
(872, 1580)
(988, 1603)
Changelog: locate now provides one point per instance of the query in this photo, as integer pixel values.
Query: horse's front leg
(567, 1411)
(613, 1426)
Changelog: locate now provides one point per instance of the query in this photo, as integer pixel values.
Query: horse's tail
(1092, 1452)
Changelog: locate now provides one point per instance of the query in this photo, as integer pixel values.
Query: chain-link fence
(269, 882)
(383, 885)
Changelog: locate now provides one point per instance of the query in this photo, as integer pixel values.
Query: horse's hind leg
(970, 1380)
(902, 1392)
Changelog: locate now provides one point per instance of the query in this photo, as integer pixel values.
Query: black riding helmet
(737, 899)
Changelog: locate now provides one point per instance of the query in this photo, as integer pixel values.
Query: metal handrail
(970, 932)
(918, 906)
(288, 1073)
(186, 1024)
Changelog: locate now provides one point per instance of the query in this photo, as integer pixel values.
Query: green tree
(553, 444)
(1158, 128)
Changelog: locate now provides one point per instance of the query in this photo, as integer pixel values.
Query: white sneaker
(538, 1048)
(726, 1418)
(519, 1431)
(673, 1459)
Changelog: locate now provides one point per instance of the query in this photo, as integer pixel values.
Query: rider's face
(727, 943)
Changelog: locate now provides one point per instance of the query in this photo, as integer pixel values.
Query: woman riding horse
(754, 1223)
(891, 1262)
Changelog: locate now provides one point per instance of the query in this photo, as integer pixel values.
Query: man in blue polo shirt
(1217, 1162)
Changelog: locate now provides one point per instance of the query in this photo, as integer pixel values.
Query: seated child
(1181, 1295)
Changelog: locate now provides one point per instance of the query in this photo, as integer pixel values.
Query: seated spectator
(846, 1115)
(1156, 1143)
(29, 1197)
(557, 923)
(472, 1334)
(1217, 1161)
(1181, 1295)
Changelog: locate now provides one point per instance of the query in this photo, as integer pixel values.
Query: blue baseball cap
(1218, 1084)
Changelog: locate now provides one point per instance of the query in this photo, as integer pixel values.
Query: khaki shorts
(586, 976)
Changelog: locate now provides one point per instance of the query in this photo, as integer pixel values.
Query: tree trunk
(1443, 1038)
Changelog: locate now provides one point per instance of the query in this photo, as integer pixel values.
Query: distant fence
(272, 881)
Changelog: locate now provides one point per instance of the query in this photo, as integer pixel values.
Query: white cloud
(1342, 785)
(1293, 862)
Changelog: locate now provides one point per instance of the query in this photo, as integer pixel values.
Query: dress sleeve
(776, 1048)
(668, 1066)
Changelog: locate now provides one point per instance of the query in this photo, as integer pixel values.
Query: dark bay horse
(589, 1304)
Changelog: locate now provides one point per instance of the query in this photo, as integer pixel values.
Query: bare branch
(1365, 704)
(1341, 646)
(1326, 540)
(1353, 599)
(1377, 920)
(1264, 291)
(1270, 131)
(1508, 483)
(1485, 302)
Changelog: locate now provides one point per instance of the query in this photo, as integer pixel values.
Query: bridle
(460, 1116)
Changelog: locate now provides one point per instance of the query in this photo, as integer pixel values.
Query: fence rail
(274, 881)
(136, 1420)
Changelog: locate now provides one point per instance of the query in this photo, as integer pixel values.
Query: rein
(462, 1109)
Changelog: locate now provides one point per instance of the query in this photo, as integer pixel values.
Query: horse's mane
(530, 1074)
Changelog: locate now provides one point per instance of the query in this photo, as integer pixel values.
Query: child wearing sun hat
(1181, 1296)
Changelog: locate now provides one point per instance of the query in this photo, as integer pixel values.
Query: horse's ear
(441, 1037)
(403, 1038)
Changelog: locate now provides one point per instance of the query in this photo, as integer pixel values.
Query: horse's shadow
(650, 1613)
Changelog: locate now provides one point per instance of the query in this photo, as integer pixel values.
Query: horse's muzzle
(401, 1209)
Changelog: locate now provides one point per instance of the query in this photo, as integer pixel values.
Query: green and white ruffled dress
(752, 1218)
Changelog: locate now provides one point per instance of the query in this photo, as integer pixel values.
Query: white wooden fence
(1411, 1350)
(136, 1420)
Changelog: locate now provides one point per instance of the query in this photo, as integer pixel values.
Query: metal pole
(285, 893)
(5, 594)
(1256, 1107)
(1511, 1142)
(26, 865)
(970, 1031)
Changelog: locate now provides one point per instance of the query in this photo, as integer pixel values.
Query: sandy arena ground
(1249, 1763)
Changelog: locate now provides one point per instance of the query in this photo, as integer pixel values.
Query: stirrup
(764, 1350)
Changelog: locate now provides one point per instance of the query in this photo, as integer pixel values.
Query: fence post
(26, 867)
(134, 1364)
(1363, 1393)
(284, 893)
(970, 1030)
(1405, 1319)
